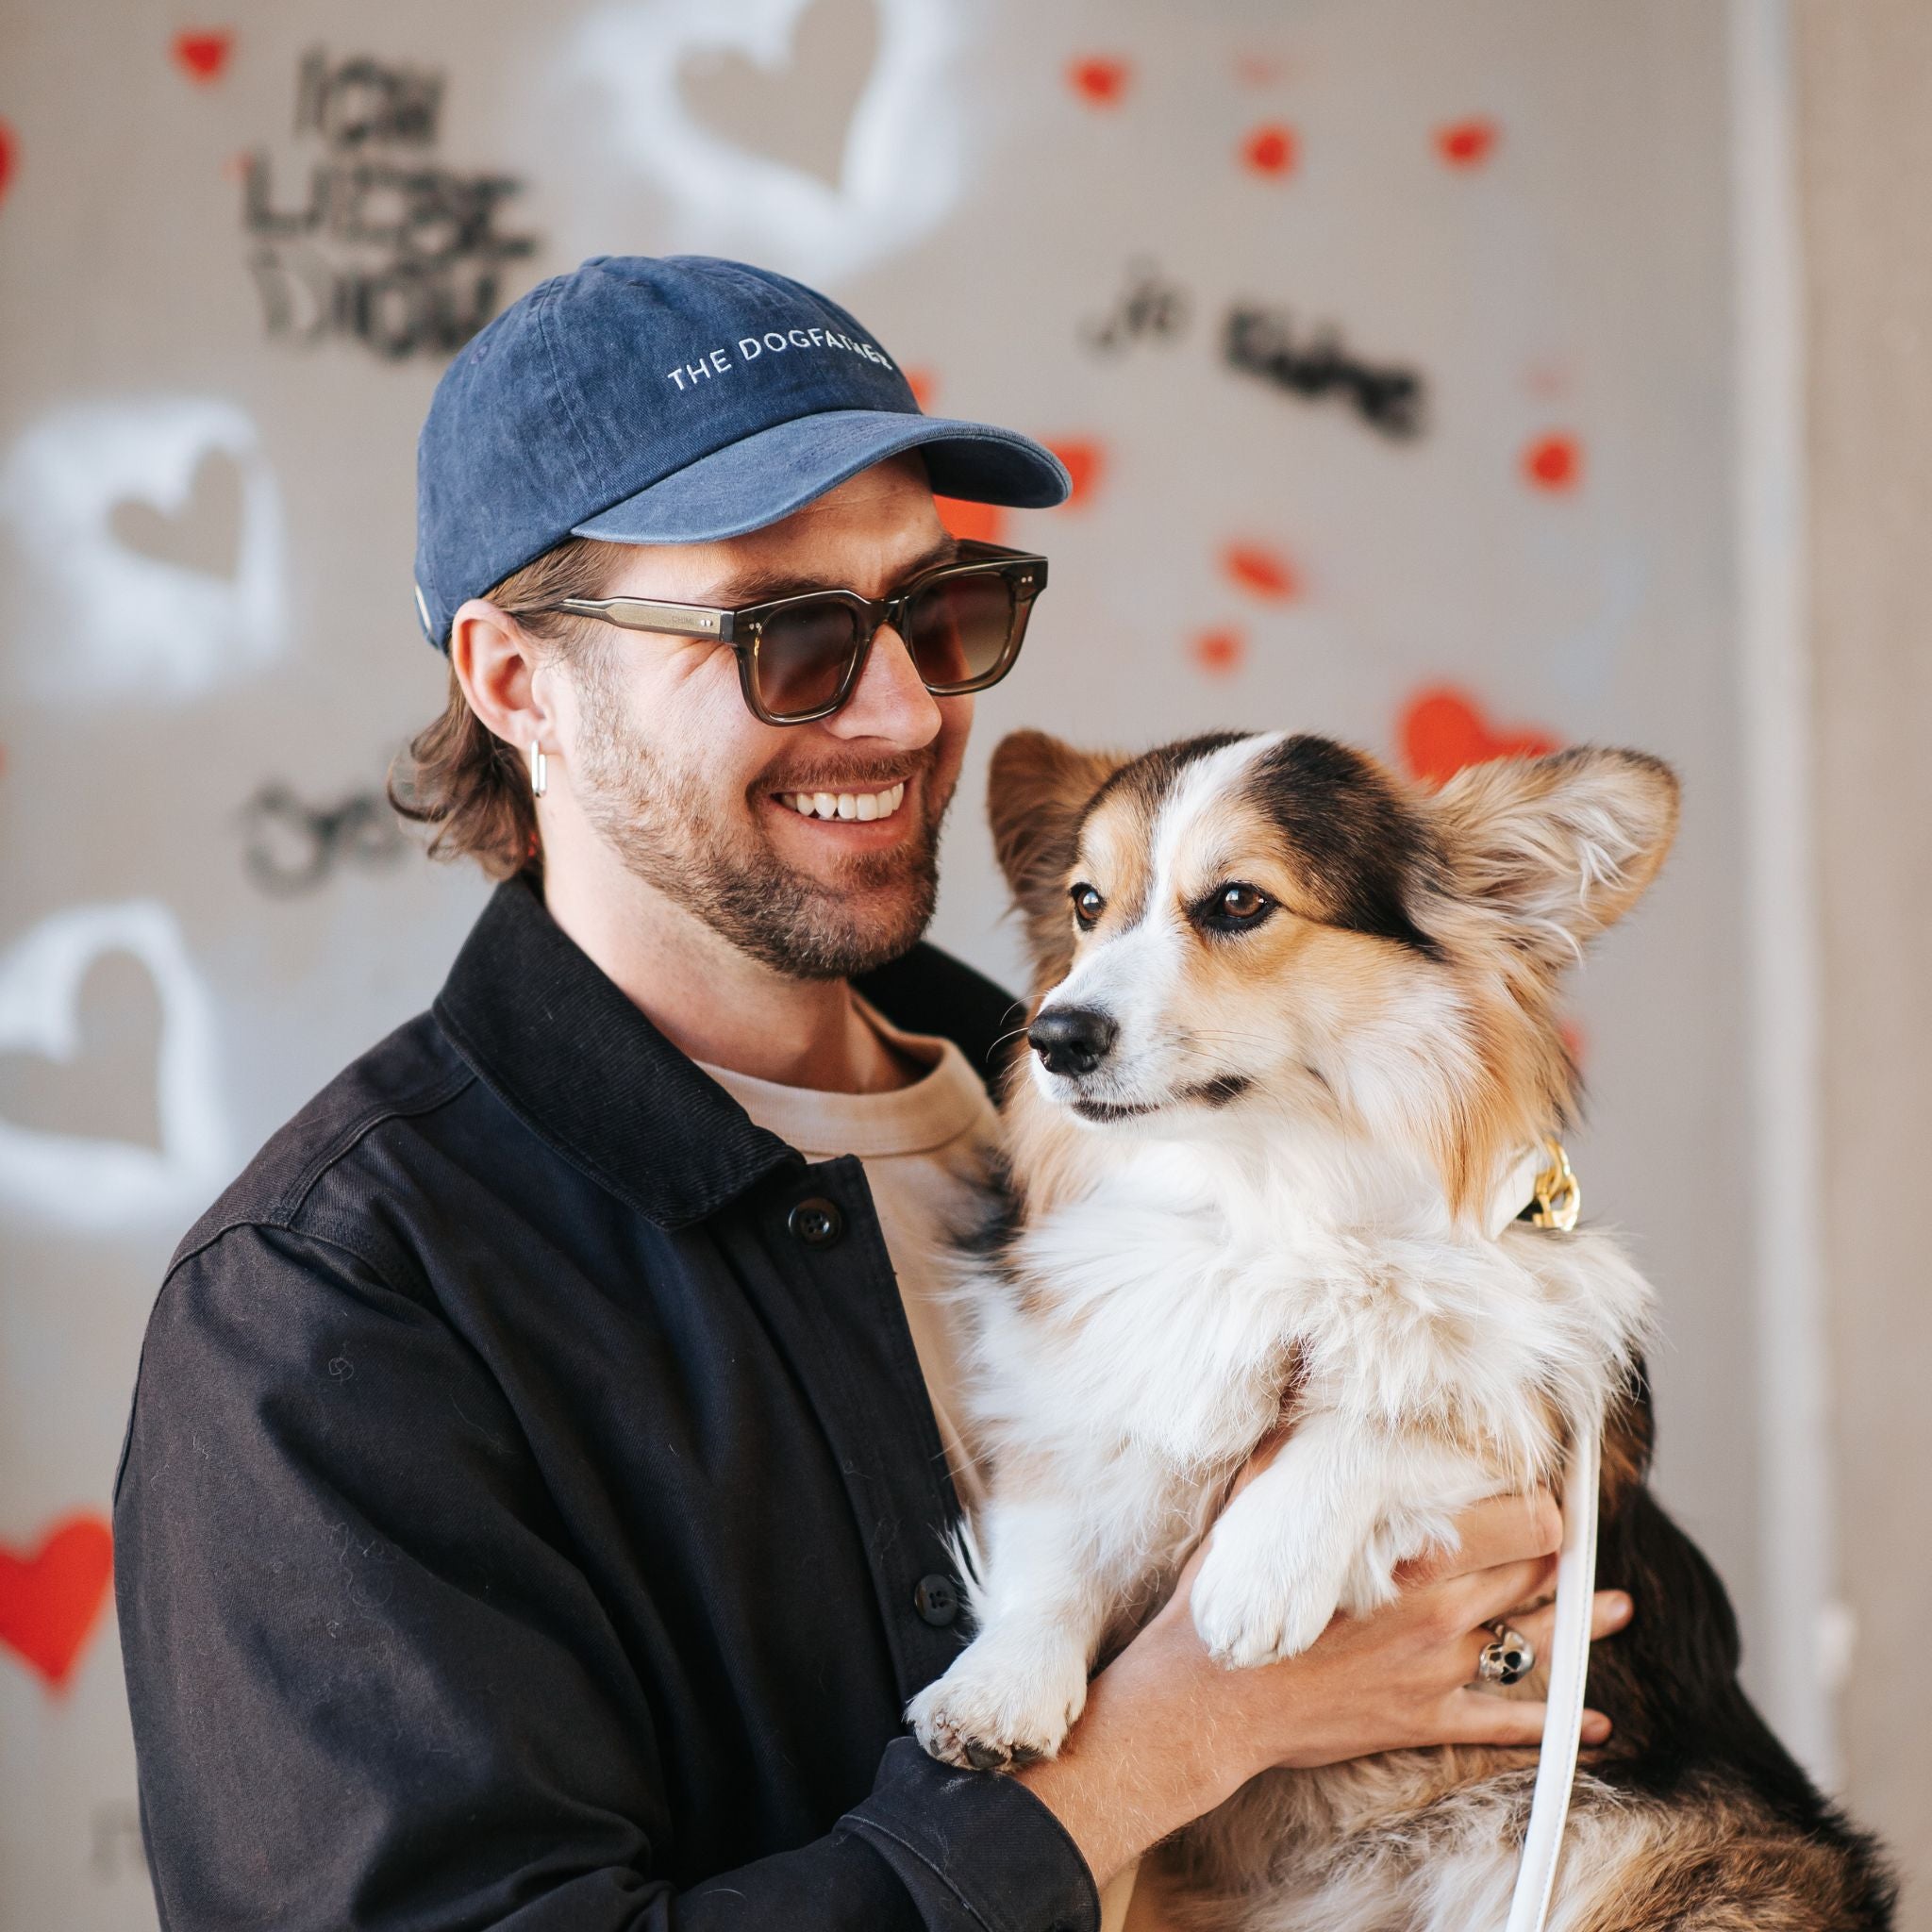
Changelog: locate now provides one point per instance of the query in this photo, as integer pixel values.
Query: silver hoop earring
(540, 770)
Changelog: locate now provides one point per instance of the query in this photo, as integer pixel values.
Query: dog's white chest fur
(1162, 1325)
(1133, 1348)
(1174, 1307)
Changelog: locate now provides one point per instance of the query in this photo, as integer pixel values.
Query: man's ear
(1037, 790)
(1560, 847)
(495, 663)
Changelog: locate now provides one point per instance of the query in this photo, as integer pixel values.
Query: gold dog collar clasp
(1558, 1193)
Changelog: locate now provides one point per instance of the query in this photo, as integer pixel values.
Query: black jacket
(532, 1515)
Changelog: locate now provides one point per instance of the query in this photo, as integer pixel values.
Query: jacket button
(817, 1222)
(937, 1599)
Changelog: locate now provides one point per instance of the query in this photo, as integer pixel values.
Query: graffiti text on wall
(292, 847)
(1263, 343)
(1151, 308)
(374, 241)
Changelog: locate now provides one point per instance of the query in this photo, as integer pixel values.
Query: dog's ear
(1560, 847)
(1037, 792)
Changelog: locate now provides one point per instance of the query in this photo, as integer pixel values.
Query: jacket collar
(579, 1065)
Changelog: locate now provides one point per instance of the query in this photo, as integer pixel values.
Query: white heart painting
(91, 1184)
(155, 526)
(900, 170)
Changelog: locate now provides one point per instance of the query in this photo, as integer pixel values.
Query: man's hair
(458, 776)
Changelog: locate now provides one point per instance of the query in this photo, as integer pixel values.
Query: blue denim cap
(670, 400)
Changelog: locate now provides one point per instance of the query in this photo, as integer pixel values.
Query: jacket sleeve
(371, 1689)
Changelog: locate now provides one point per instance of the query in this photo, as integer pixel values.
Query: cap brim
(752, 483)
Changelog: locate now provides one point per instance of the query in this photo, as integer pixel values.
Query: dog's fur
(1274, 1183)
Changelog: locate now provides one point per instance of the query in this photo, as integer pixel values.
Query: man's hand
(1167, 1733)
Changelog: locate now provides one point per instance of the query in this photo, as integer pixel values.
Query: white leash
(1556, 1771)
(1545, 1176)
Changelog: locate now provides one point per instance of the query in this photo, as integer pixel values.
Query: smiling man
(535, 1509)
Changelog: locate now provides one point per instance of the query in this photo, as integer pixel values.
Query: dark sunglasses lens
(957, 628)
(803, 655)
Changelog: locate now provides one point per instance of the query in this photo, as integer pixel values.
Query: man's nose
(1071, 1040)
(888, 701)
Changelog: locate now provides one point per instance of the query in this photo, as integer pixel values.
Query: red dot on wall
(1269, 150)
(978, 523)
(1467, 143)
(1554, 462)
(1084, 460)
(924, 383)
(203, 52)
(1220, 651)
(1100, 80)
(1261, 570)
(7, 159)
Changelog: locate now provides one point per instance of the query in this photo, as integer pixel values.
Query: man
(534, 1511)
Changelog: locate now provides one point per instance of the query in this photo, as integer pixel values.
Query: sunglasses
(799, 657)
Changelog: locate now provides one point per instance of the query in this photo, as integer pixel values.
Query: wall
(1469, 482)
(1865, 75)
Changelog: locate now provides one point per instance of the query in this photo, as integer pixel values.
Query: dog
(1296, 1052)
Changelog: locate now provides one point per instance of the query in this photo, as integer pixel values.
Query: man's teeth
(846, 804)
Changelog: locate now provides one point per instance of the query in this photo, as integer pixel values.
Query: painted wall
(1866, 78)
(1389, 343)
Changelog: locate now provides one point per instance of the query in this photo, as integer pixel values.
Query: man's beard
(729, 876)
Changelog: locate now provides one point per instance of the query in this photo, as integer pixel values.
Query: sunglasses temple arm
(667, 619)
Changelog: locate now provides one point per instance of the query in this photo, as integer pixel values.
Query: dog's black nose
(1071, 1040)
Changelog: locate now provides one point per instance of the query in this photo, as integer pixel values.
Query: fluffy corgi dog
(1295, 1056)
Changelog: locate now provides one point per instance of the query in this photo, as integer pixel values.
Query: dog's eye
(1088, 903)
(1234, 906)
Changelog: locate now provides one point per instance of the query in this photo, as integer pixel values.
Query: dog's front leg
(1323, 1528)
(1043, 1604)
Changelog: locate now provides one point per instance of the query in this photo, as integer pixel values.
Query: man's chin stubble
(790, 922)
(809, 930)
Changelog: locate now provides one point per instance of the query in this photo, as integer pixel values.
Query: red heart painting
(1444, 729)
(51, 1600)
(203, 52)
(1263, 572)
(1554, 462)
(1269, 150)
(6, 158)
(1219, 652)
(1083, 462)
(1467, 143)
(1101, 82)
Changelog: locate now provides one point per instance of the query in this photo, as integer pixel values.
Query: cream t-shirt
(923, 1147)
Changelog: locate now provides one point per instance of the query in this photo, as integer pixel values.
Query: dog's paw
(1248, 1613)
(997, 1710)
